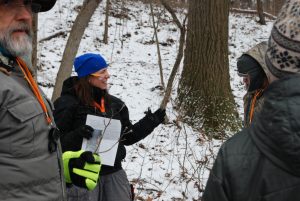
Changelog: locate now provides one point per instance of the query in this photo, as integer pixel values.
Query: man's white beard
(17, 46)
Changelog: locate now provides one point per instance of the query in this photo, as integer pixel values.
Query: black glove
(81, 168)
(138, 131)
(155, 118)
(72, 141)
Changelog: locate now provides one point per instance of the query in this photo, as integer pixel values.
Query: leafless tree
(204, 93)
(81, 22)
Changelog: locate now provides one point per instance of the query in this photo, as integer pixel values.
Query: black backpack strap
(5, 66)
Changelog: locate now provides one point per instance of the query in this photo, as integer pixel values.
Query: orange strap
(252, 107)
(34, 87)
(100, 107)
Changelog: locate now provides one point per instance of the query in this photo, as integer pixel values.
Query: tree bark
(204, 93)
(78, 28)
(260, 12)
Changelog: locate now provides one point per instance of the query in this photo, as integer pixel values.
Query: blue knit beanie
(89, 63)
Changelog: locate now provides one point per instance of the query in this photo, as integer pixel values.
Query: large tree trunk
(78, 28)
(204, 92)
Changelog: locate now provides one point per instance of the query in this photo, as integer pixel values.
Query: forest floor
(173, 162)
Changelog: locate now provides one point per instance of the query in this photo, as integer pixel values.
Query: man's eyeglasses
(28, 4)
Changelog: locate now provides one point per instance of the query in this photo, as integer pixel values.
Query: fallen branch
(61, 33)
(253, 12)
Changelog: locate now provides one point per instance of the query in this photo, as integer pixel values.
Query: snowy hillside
(171, 163)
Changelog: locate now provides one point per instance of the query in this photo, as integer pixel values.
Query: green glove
(81, 168)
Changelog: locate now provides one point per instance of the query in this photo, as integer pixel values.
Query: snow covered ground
(171, 163)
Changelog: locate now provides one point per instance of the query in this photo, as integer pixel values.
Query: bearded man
(31, 165)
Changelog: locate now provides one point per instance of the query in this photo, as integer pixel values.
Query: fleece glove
(81, 168)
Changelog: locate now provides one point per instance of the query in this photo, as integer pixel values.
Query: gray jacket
(28, 171)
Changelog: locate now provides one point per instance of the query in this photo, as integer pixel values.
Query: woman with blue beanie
(87, 94)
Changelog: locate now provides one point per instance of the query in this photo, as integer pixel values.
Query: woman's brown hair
(84, 91)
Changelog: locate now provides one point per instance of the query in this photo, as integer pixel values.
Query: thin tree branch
(158, 49)
(168, 7)
(179, 55)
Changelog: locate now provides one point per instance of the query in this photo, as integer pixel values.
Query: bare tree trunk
(204, 93)
(168, 90)
(78, 28)
(105, 35)
(158, 49)
(260, 12)
(34, 42)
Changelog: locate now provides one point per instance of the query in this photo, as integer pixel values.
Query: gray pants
(112, 187)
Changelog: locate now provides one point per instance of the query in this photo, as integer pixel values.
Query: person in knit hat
(87, 94)
(251, 67)
(262, 162)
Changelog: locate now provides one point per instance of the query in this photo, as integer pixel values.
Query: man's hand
(81, 168)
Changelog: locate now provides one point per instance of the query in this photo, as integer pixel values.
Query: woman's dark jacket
(262, 162)
(70, 113)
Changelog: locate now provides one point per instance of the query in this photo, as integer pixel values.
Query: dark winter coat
(262, 162)
(70, 113)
